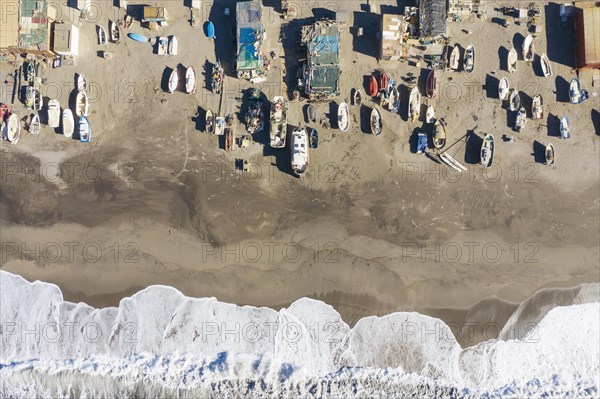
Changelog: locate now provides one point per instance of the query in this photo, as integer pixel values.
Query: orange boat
(433, 84)
(373, 87)
(383, 81)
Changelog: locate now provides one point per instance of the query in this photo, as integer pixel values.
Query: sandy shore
(373, 228)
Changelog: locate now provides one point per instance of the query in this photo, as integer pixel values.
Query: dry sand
(372, 229)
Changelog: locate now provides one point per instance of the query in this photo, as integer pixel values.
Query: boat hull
(68, 123)
(343, 117)
(487, 151)
(85, 130)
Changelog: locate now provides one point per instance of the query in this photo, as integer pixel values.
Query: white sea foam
(162, 343)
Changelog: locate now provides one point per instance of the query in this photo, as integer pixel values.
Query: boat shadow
(596, 121)
(526, 102)
(539, 152)
(562, 89)
(404, 97)
(370, 23)
(537, 66)
(364, 113)
(200, 120)
(557, 35)
(491, 86)
(414, 139)
(517, 42)
(332, 115)
(225, 32)
(503, 56)
(164, 81)
(473, 147)
(553, 123)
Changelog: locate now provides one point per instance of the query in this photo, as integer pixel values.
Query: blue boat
(85, 130)
(138, 38)
(210, 30)
(421, 143)
(314, 138)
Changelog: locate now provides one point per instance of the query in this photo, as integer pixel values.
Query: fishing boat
(433, 84)
(537, 107)
(514, 100)
(451, 162)
(30, 69)
(162, 45)
(314, 139)
(311, 113)
(421, 143)
(217, 78)
(81, 103)
(299, 151)
(549, 154)
(343, 117)
(81, 83)
(565, 127)
(101, 35)
(575, 91)
(469, 58)
(210, 30)
(127, 20)
(414, 104)
(173, 81)
(393, 98)
(376, 122)
(138, 38)
(521, 119)
(38, 101)
(383, 81)
(503, 89)
(34, 124)
(115, 31)
(545, 64)
(455, 58)
(357, 97)
(255, 117)
(439, 134)
(512, 60)
(278, 119)
(487, 151)
(190, 80)
(528, 49)
(172, 50)
(13, 128)
(68, 123)
(53, 113)
(210, 122)
(85, 130)
(430, 114)
(229, 134)
(29, 96)
(219, 125)
(373, 86)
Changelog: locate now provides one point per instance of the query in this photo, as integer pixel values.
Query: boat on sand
(549, 154)
(343, 117)
(376, 122)
(487, 151)
(278, 121)
(299, 150)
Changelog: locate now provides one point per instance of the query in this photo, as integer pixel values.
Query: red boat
(4, 111)
(383, 81)
(373, 88)
(433, 84)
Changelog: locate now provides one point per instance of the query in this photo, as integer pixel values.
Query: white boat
(537, 107)
(503, 89)
(68, 123)
(512, 60)
(528, 49)
(343, 117)
(13, 128)
(81, 103)
(439, 134)
(53, 113)
(299, 151)
(85, 130)
(210, 122)
(455, 58)
(278, 120)
(376, 122)
(487, 151)
(172, 45)
(430, 114)
(190, 80)
(514, 101)
(220, 125)
(521, 119)
(34, 124)
(545, 64)
(549, 154)
(162, 45)
(81, 83)
(101, 35)
(393, 98)
(173, 81)
(414, 104)
(575, 91)
(453, 163)
(565, 128)
(469, 58)
(115, 31)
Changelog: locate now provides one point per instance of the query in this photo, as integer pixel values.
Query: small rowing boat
(34, 124)
(13, 128)
(68, 123)
(430, 114)
(414, 104)
(549, 154)
(373, 86)
(514, 100)
(537, 107)
(173, 81)
(85, 130)
(115, 31)
(314, 139)
(469, 58)
(81, 103)
(575, 91)
(101, 35)
(299, 152)
(487, 151)
(433, 84)
(357, 97)
(278, 121)
(190, 80)
(81, 83)
(383, 81)
(521, 119)
(528, 49)
(376, 122)
(455, 58)
(545, 65)
(343, 117)
(210, 30)
(512, 60)
(439, 134)
(210, 122)
(53, 113)
(503, 89)
(138, 38)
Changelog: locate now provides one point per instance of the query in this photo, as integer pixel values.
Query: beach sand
(373, 228)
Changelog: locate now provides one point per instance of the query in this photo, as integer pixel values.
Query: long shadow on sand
(596, 121)
(225, 34)
(365, 119)
(560, 40)
(491, 86)
(518, 40)
(539, 152)
(503, 58)
(562, 89)
(414, 139)
(553, 123)
(370, 24)
(473, 148)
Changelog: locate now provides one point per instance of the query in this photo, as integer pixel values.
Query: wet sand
(372, 228)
